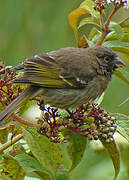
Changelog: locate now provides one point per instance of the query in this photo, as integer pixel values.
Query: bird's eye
(107, 58)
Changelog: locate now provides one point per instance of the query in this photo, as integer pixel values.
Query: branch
(9, 143)
(105, 28)
(22, 120)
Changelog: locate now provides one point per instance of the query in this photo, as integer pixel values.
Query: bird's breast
(65, 98)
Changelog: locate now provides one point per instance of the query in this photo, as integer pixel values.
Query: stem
(105, 29)
(22, 120)
(9, 143)
(101, 20)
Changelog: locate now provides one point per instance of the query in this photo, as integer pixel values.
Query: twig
(10, 142)
(22, 120)
(105, 28)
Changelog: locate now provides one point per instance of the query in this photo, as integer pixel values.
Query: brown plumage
(65, 78)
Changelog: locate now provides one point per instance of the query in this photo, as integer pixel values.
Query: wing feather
(43, 70)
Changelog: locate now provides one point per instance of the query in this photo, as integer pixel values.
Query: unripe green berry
(104, 119)
(90, 137)
(104, 136)
(59, 120)
(108, 123)
(95, 137)
(92, 126)
(112, 129)
(108, 117)
(106, 129)
(113, 118)
(110, 134)
(44, 125)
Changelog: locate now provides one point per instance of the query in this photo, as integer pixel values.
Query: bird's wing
(43, 70)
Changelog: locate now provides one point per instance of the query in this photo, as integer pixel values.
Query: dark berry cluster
(90, 121)
(103, 126)
(8, 90)
(99, 5)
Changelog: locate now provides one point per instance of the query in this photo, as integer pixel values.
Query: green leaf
(123, 50)
(122, 47)
(25, 106)
(89, 20)
(47, 153)
(93, 32)
(125, 23)
(63, 175)
(30, 164)
(82, 42)
(123, 75)
(123, 123)
(99, 99)
(76, 147)
(116, 44)
(89, 5)
(74, 17)
(126, 57)
(4, 177)
(125, 37)
(114, 154)
(111, 36)
(117, 28)
(12, 168)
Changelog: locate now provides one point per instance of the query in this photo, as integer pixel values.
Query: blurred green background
(29, 27)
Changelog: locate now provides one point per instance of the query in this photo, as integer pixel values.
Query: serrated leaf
(82, 42)
(123, 123)
(47, 153)
(114, 154)
(117, 28)
(89, 20)
(76, 148)
(123, 75)
(12, 169)
(93, 32)
(89, 5)
(74, 17)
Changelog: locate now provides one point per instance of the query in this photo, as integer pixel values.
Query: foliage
(41, 154)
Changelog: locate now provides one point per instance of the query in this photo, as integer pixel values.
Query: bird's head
(108, 59)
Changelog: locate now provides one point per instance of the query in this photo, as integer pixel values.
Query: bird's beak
(119, 63)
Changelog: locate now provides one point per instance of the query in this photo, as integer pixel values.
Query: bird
(65, 78)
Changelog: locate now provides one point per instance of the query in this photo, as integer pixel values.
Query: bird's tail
(29, 92)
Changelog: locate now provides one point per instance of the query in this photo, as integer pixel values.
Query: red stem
(105, 29)
(19, 119)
